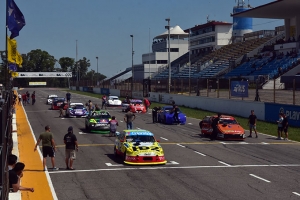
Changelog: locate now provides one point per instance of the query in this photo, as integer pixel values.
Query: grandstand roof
(176, 32)
(208, 24)
(280, 9)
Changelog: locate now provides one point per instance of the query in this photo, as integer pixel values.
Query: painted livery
(98, 121)
(228, 128)
(166, 116)
(76, 110)
(139, 147)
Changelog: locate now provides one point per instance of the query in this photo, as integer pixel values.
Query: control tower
(241, 25)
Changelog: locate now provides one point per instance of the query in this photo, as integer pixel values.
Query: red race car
(228, 128)
(137, 106)
(56, 103)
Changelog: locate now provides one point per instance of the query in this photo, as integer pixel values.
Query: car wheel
(165, 120)
(87, 128)
(115, 151)
(124, 156)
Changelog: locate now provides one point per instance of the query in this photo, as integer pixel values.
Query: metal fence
(274, 92)
(6, 143)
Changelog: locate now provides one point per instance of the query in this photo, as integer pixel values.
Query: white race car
(114, 101)
(50, 98)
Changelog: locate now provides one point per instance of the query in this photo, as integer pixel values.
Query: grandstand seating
(263, 66)
(216, 61)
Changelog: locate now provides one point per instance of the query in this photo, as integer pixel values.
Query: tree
(38, 61)
(83, 65)
(66, 64)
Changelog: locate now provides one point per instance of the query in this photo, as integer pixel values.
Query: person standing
(176, 112)
(48, 147)
(70, 141)
(129, 118)
(279, 129)
(14, 178)
(28, 97)
(19, 98)
(90, 107)
(252, 123)
(113, 126)
(24, 97)
(214, 125)
(68, 97)
(33, 98)
(61, 109)
(155, 110)
(104, 100)
(146, 103)
(285, 126)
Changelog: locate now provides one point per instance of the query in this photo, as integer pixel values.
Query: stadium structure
(225, 50)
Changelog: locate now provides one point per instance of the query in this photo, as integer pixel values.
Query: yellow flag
(14, 74)
(13, 55)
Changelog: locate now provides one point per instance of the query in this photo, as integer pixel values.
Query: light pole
(189, 63)
(132, 78)
(168, 27)
(97, 70)
(77, 76)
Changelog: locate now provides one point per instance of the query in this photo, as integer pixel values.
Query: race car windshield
(78, 107)
(141, 138)
(101, 115)
(169, 110)
(228, 121)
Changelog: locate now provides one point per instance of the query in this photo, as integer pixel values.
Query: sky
(103, 27)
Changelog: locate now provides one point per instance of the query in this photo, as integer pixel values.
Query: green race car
(98, 121)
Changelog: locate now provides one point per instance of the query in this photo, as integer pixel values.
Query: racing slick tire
(124, 156)
(87, 129)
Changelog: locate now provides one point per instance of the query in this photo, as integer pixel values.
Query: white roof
(113, 97)
(175, 32)
(74, 104)
(52, 95)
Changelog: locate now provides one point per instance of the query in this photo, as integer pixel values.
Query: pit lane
(205, 169)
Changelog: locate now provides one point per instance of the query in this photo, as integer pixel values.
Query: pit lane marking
(190, 124)
(296, 193)
(200, 153)
(171, 167)
(164, 138)
(81, 133)
(264, 143)
(180, 145)
(260, 178)
(224, 163)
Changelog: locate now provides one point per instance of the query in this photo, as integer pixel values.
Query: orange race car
(137, 106)
(228, 128)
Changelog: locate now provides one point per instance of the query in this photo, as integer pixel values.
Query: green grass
(262, 126)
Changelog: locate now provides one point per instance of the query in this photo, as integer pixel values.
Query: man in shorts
(70, 141)
(48, 147)
(61, 109)
(252, 123)
(279, 128)
(68, 97)
(113, 126)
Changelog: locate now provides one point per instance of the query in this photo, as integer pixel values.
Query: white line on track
(181, 145)
(137, 128)
(264, 143)
(111, 165)
(163, 138)
(172, 163)
(223, 142)
(81, 133)
(243, 142)
(183, 130)
(200, 153)
(296, 193)
(260, 178)
(121, 121)
(190, 124)
(172, 167)
(224, 163)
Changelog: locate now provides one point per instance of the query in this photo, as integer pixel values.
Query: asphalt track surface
(197, 168)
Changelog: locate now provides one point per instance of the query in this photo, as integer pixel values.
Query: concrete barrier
(226, 106)
(97, 90)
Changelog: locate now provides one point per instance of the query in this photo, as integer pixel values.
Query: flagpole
(6, 52)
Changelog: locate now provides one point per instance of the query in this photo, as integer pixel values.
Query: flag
(12, 67)
(15, 19)
(13, 55)
(14, 74)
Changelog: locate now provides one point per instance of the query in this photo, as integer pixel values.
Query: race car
(228, 128)
(56, 103)
(114, 101)
(166, 116)
(125, 104)
(98, 122)
(76, 110)
(137, 106)
(50, 98)
(139, 147)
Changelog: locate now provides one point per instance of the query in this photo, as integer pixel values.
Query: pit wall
(264, 111)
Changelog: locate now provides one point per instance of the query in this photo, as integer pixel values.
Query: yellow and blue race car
(139, 147)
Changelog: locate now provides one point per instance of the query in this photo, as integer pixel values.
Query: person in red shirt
(146, 103)
(24, 98)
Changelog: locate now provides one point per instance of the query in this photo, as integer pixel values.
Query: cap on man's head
(70, 128)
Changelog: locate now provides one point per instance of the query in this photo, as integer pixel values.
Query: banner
(37, 83)
(292, 112)
(44, 75)
(239, 88)
(13, 55)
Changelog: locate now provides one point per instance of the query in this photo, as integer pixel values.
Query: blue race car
(76, 110)
(166, 116)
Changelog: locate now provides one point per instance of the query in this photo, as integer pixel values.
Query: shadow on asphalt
(116, 159)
